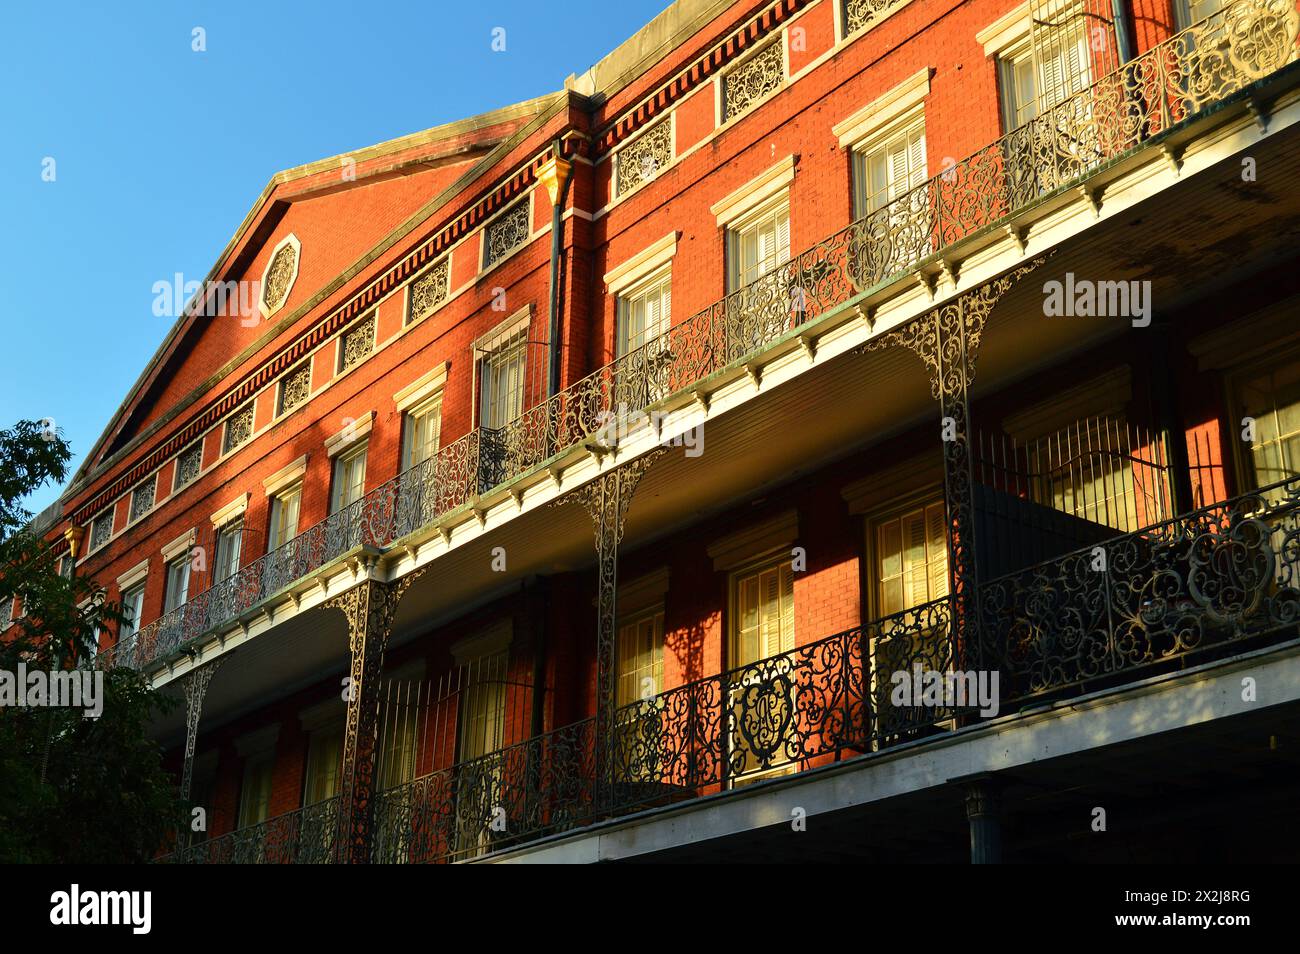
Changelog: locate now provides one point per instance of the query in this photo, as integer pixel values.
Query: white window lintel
(897, 104)
(335, 444)
(133, 576)
(180, 545)
(285, 476)
(755, 193)
(230, 511)
(642, 264)
(425, 386)
(1005, 32)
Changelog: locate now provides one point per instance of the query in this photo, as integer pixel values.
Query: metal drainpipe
(557, 275)
(1121, 14)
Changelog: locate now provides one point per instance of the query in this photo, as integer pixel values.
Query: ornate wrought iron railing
(303, 837)
(1208, 580)
(543, 785)
(827, 700)
(1125, 110)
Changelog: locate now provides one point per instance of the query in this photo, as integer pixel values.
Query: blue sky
(159, 151)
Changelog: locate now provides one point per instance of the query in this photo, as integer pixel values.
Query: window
(226, 558)
(357, 342)
(763, 621)
(284, 516)
(349, 477)
(178, 583)
(420, 432)
(639, 669)
(1272, 399)
(502, 398)
(6, 613)
(483, 707)
(762, 626)
(643, 158)
(428, 290)
(753, 80)
(506, 233)
(639, 677)
(1062, 70)
(142, 498)
(643, 313)
(324, 759)
(239, 428)
(911, 558)
(888, 168)
(255, 796)
(132, 610)
(188, 464)
(758, 245)
(101, 528)
(295, 389)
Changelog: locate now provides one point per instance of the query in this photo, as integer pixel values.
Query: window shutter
(782, 238)
(916, 160)
(936, 531)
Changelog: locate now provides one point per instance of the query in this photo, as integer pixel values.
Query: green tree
(72, 789)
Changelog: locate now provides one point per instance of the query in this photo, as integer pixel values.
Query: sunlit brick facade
(593, 465)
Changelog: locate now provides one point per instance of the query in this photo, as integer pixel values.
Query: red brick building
(717, 306)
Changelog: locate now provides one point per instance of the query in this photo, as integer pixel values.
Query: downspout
(1122, 16)
(557, 176)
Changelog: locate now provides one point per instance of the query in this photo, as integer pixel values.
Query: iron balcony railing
(305, 836)
(1217, 581)
(1130, 108)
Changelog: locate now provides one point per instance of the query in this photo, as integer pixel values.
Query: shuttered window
(759, 246)
(503, 383)
(324, 758)
(643, 315)
(1062, 71)
(421, 433)
(911, 565)
(764, 611)
(640, 665)
(349, 478)
(1272, 400)
(255, 798)
(284, 516)
(885, 170)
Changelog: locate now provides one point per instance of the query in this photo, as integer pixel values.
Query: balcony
(1135, 107)
(1216, 582)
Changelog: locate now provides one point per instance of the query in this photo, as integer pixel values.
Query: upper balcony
(1151, 105)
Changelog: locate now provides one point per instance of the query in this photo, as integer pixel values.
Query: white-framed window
(132, 611)
(255, 794)
(349, 477)
(644, 312)
(239, 429)
(909, 557)
(758, 244)
(888, 166)
(178, 583)
(188, 464)
(501, 373)
(284, 516)
(508, 231)
(101, 530)
(762, 622)
(229, 539)
(421, 429)
(1034, 79)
